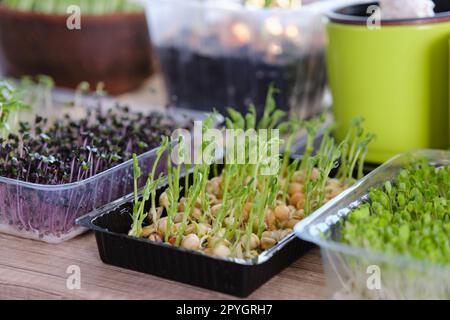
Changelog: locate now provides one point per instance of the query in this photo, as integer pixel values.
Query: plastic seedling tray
(238, 277)
(48, 212)
(232, 276)
(359, 273)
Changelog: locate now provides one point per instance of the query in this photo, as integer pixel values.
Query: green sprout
(246, 208)
(10, 104)
(139, 215)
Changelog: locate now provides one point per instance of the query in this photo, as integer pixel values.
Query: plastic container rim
(87, 221)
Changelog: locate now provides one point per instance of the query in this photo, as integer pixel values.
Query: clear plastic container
(48, 212)
(357, 273)
(216, 54)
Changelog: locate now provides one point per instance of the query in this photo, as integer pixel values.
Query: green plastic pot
(396, 77)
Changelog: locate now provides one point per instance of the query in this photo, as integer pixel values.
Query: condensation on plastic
(352, 272)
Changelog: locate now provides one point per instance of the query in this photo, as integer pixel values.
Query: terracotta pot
(112, 48)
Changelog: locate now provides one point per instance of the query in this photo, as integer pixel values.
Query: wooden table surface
(35, 270)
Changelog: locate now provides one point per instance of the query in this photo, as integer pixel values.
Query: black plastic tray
(238, 277)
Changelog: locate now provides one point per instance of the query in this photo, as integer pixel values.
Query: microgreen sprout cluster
(69, 150)
(234, 210)
(408, 216)
(56, 151)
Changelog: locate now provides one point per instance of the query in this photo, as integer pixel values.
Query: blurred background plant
(10, 104)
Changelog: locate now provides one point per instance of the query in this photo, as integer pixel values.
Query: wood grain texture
(34, 270)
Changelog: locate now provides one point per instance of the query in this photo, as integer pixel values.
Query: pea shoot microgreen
(242, 210)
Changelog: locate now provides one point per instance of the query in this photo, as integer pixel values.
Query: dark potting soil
(201, 82)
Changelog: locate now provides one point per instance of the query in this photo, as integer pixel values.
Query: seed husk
(291, 223)
(295, 188)
(164, 200)
(221, 250)
(155, 237)
(295, 198)
(282, 213)
(267, 243)
(254, 242)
